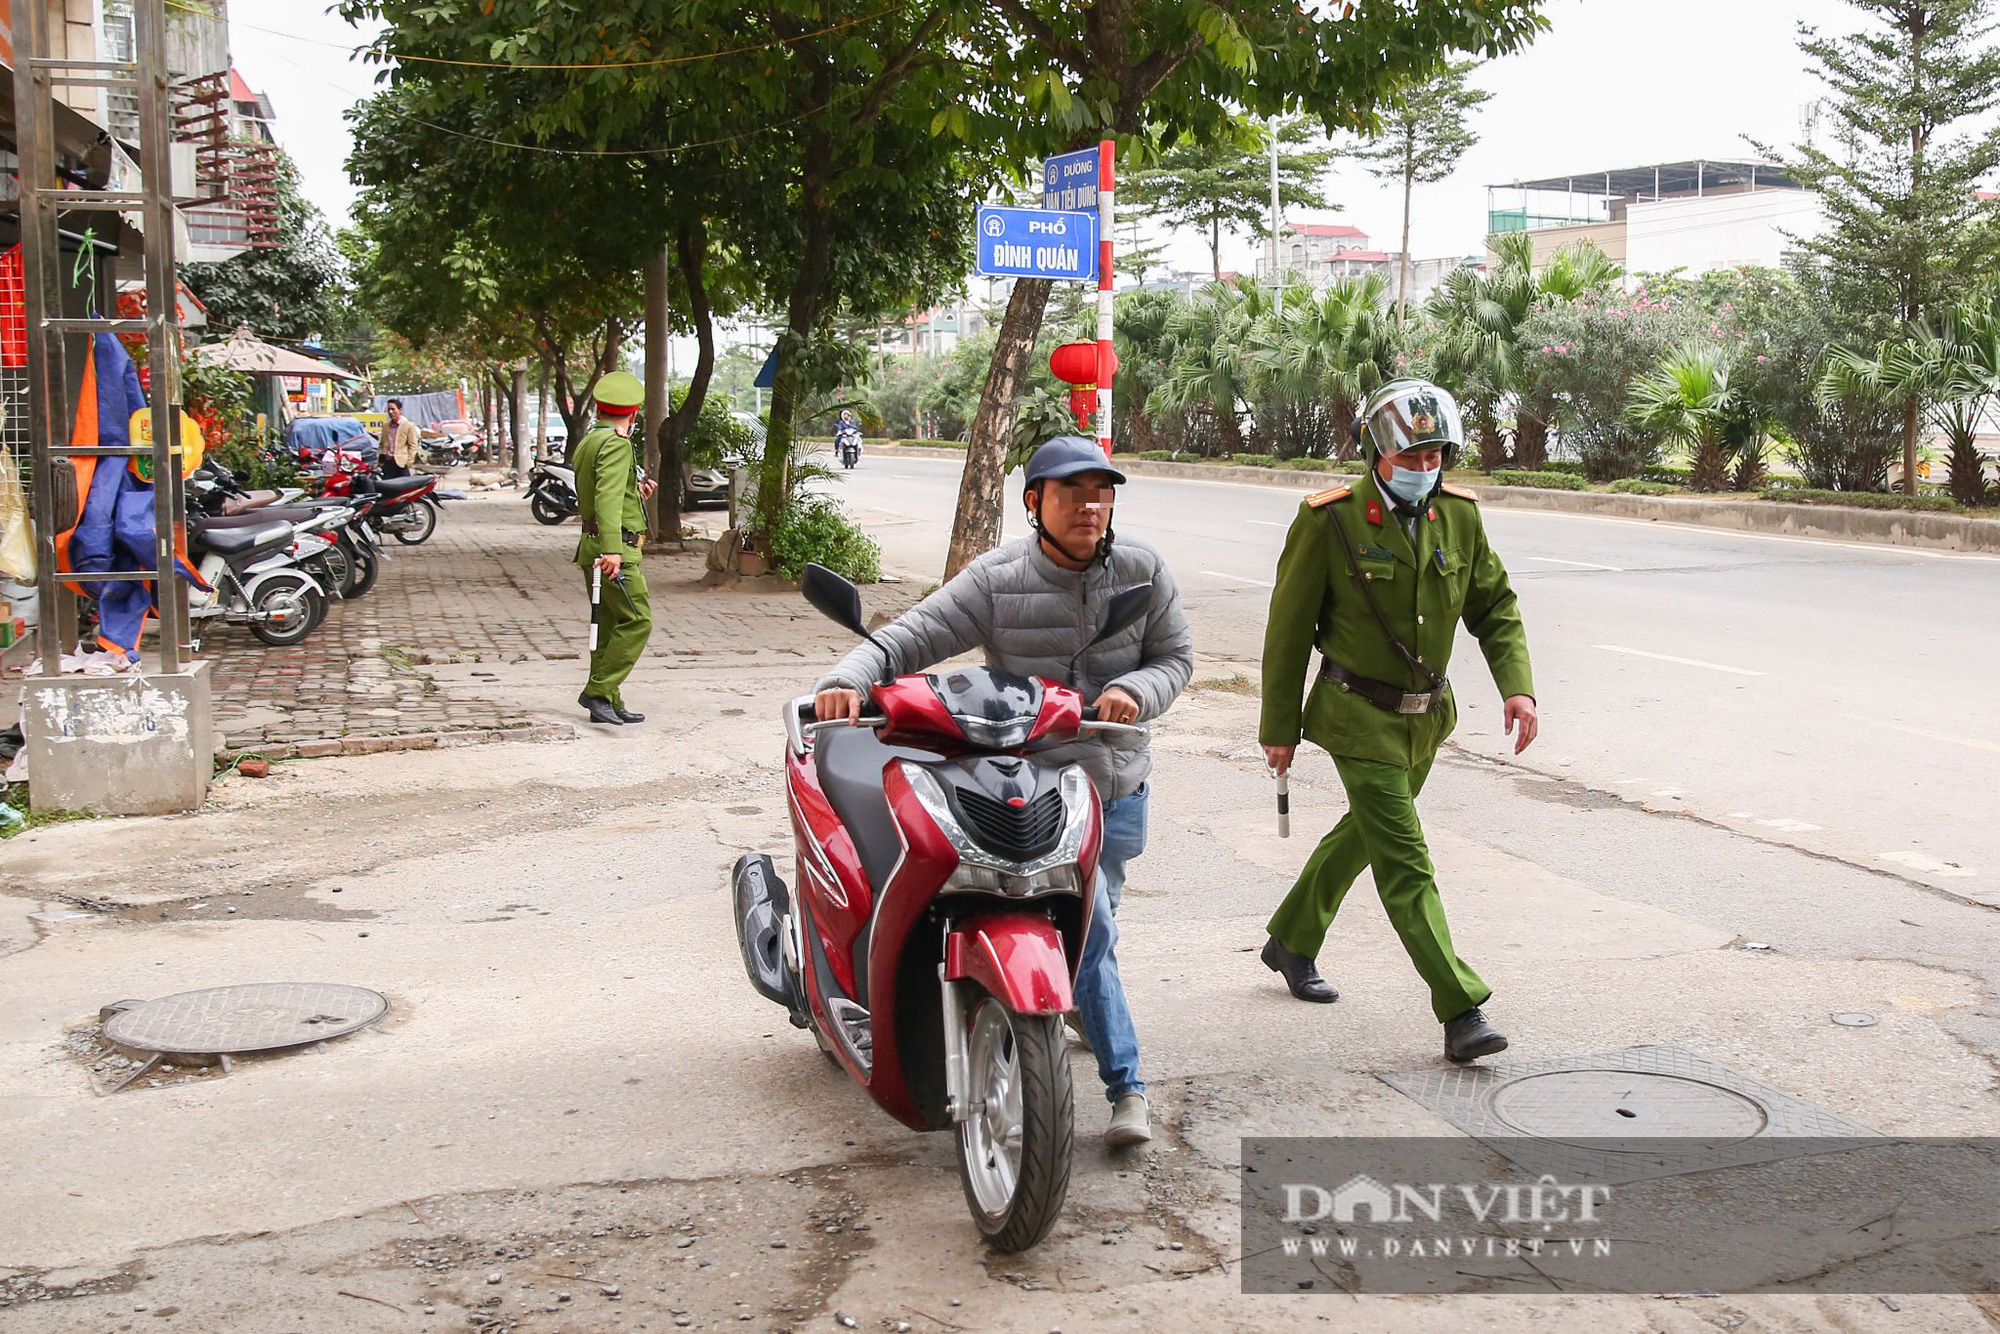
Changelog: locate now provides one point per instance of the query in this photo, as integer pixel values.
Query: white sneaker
(1131, 1122)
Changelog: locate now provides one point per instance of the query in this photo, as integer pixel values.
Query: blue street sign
(1069, 181)
(1037, 243)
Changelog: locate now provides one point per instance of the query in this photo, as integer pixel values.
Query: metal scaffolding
(43, 200)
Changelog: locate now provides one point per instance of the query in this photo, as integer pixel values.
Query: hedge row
(1638, 486)
(1548, 481)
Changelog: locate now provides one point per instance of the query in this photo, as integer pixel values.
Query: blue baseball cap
(1068, 455)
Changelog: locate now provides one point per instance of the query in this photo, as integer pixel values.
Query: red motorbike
(407, 507)
(944, 890)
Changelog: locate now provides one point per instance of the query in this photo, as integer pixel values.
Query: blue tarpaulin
(426, 409)
(320, 434)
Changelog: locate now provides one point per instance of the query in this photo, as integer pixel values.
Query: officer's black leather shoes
(626, 715)
(600, 710)
(1468, 1036)
(1299, 972)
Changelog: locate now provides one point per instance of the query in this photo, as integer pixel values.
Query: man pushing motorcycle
(1030, 605)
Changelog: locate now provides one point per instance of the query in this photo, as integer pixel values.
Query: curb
(1906, 528)
(328, 747)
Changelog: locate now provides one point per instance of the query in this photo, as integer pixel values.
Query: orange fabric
(1328, 496)
(84, 433)
(1462, 492)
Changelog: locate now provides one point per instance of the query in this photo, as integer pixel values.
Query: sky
(1613, 83)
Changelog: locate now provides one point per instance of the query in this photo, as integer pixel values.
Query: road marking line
(1685, 662)
(1916, 861)
(1974, 742)
(1239, 579)
(1580, 564)
(1270, 523)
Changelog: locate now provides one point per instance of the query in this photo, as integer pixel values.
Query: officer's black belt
(1382, 694)
(590, 530)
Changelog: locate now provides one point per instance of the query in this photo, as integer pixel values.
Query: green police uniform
(1424, 589)
(614, 524)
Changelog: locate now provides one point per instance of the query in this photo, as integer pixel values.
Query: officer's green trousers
(1380, 831)
(622, 632)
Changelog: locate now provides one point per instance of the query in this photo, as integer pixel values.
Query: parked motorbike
(254, 578)
(945, 878)
(408, 508)
(847, 440)
(551, 491)
(336, 543)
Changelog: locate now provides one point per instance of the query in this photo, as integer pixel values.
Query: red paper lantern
(1076, 363)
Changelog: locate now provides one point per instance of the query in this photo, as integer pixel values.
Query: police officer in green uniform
(609, 493)
(1377, 577)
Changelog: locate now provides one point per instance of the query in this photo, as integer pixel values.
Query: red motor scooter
(944, 886)
(407, 507)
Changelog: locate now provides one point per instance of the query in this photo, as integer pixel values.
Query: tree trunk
(975, 528)
(666, 500)
(1910, 446)
(1215, 248)
(802, 316)
(1403, 282)
(542, 412)
(1531, 440)
(517, 404)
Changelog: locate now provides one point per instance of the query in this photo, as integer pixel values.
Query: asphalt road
(1833, 696)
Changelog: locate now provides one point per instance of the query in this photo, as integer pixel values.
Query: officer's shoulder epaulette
(1328, 496)
(1462, 492)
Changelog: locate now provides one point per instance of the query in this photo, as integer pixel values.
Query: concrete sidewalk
(491, 590)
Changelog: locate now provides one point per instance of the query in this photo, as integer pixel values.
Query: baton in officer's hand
(1284, 802)
(596, 595)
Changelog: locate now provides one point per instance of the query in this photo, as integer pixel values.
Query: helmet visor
(1422, 415)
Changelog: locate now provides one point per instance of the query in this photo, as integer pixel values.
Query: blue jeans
(1100, 996)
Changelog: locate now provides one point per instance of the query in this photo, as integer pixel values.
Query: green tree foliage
(1223, 185)
(292, 291)
(1425, 131)
(1582, 356)
(1907, 234)
(1688, 401)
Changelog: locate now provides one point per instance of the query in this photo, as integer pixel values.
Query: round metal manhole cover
(1586, 1107)
(257, 1016)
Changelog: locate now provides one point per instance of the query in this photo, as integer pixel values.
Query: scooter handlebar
(1092, 723)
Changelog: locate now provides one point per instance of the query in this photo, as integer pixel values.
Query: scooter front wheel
(1014, 1149)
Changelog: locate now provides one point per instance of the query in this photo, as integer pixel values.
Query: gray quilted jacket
(1029, 614)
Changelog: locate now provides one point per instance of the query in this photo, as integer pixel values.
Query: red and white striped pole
(1107, 177)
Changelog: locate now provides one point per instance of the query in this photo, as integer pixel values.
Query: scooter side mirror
(840, 602)
(1126, 608)
(834, 598)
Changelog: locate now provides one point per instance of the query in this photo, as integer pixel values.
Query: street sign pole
(1107, 178)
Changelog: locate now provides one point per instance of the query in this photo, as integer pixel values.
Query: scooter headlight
(980, 871)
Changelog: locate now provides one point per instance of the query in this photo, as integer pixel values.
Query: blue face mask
(1411, 487)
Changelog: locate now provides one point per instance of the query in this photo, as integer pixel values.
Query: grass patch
(1639, 486)
(16, 796)
(1234, 684)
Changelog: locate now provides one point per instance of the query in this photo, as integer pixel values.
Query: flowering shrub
(1586, 354)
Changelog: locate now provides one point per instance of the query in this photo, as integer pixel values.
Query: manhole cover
(257, 1016)
(1586, 1106)
(1628, 1115)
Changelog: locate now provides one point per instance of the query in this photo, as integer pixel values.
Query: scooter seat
(232, 505)
(226, 538)
(393, 488)
(849, 763)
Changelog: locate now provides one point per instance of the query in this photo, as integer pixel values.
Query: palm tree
(1207, 367)
(1688, 401)
(1325, 351)
(1954, 370)
(1479, 316)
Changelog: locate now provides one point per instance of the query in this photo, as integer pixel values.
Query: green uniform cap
(620, 389)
